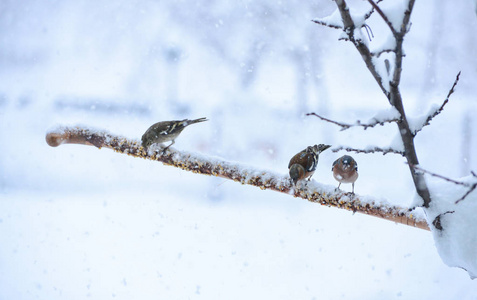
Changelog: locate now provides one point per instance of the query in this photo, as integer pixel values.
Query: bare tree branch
(393, 95)
(334, 26)
(320, 22)
(471, 187)
(405, 26)
(345, 126)
(375, 149)
(439, 176)
(383, 16)
(349, 28)
(440, 109)
(371, 11)
(342, 125)
(263, 179)
(399, 40)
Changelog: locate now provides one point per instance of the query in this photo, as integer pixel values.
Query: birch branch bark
(264, 179)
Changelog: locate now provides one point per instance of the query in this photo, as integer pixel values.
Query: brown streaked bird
(345, 170)
(303, 164)
(166, 131)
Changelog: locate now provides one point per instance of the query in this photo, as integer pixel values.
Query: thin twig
(384, 17)
(441, 108)
(439, 176)
(327, 24)
(206, 165)
(471, 187)
(342, 125)
(345, 126)
(375, 149)
(349, 29)
(371, 11)
(406, 26)
(399, 41)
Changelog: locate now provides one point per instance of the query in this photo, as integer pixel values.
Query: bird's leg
(353, 188)
(338, 188)
(164, 150)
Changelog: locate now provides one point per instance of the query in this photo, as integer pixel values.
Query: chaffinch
(345, 170)
(166, 131)
(303, 164)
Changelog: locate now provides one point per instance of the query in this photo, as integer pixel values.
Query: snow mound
(454, 225)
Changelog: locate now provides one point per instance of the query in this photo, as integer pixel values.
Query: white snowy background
(81, 223)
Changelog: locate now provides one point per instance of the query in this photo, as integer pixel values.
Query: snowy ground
(77, 222)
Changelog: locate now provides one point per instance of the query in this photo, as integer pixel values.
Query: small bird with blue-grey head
(345, 170)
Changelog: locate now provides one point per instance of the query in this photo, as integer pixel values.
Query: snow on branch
(389, 116)
(371, 11)
(471, 186)
(383, 16)
(452, 222)
(369, 149)
(380, 52)
(350, 30)
(324, 23)
(264, 179)
(333, 20)
(435, 110)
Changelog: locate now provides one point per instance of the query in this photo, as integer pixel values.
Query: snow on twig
(383, 16)
(333, 20)
(371, 11)
(471, 186)
(370, 149)
(350, 30)
(264, 179)
(380, 52)
(436, 110)
(390, 117)
(324, 23)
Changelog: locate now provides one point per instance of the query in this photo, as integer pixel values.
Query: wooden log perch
(264, 179)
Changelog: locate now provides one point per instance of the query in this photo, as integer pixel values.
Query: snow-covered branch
(371, 11)
(370, 149)
(391, 87)
(377, 120)
(436, 110)
(380, 52)
(352, 31)
(264, 179)
(324, 23)
(383, 16)
(386, 116)
(471, 186)
(452, 222)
